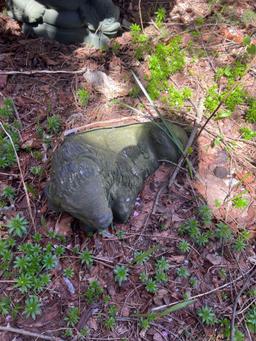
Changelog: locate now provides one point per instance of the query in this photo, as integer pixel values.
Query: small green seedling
(5, 306)
(205, 214)
(83, 96)
(184, 246)
(86, 258)
(241, 241)
(68, 272)
(37, 170)
(32, 307)
(72, 316)
(54, 124)
(121, 274)
(17, 226)
(182, 272)
(240, 202)
(151, 286)
(247, 133)
(207, 315)
(110, 322)
(9, 193)
(223, 232)
(160, 16)
(93, 292)
(250, 319)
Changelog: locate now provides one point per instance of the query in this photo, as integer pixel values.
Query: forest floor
(183, 267)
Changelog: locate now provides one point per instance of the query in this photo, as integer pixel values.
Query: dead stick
(232, 323)
(205, 293)
(27, 333)
(33, 72)
(21, 176)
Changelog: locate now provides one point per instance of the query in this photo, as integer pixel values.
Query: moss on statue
(97, 175)
(79, 21)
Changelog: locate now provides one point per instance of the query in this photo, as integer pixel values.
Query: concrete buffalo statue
(76, 21)
(97, 175)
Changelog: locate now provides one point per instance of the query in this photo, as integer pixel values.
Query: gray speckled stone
(97, 175)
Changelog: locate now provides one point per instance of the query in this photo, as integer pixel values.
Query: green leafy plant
(86, 258)
(162, 264)
(160, 16)
(193, 282)
(72, 316)
(240, 202)
(207, 315)
(54, 124)
(165, 61)
(93, 292)
(184, 246)
(110, 322)
(32, 307)
(250, 319)
(68, 272)
(59, 250)
(182, 272)
(7, 153)
(250, 115)
(151, 286)
(5, 306)
(239, 336)
(17, 226)
(247, 133)
(8, 193)
(141, 257)
(241, 241)
(176, 97)
(205, 214)
(121, 274)
(223, 232)
(37, 170)
(248, 18)
(83, 96)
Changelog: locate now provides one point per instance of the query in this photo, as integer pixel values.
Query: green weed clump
(32, 307)
(207, 315)
(251, 319)
(166, 60)
(160, 16)
(121, 274)
(54, 124)
(83, 97)
(72, 316)
(7, 154)
(110, 322)
(17, 226)
(93, 292)
(140, 42)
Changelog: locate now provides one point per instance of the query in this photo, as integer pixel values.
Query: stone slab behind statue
(80, 21)
(97, 175)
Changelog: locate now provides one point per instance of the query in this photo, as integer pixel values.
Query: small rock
(220, 172)
(214, 259)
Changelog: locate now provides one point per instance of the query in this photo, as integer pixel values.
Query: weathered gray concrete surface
(97, 175)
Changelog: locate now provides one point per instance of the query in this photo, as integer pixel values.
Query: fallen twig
(232, 323)
(33, 72)
(27, 333)
(207, 292)
(21, 176)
